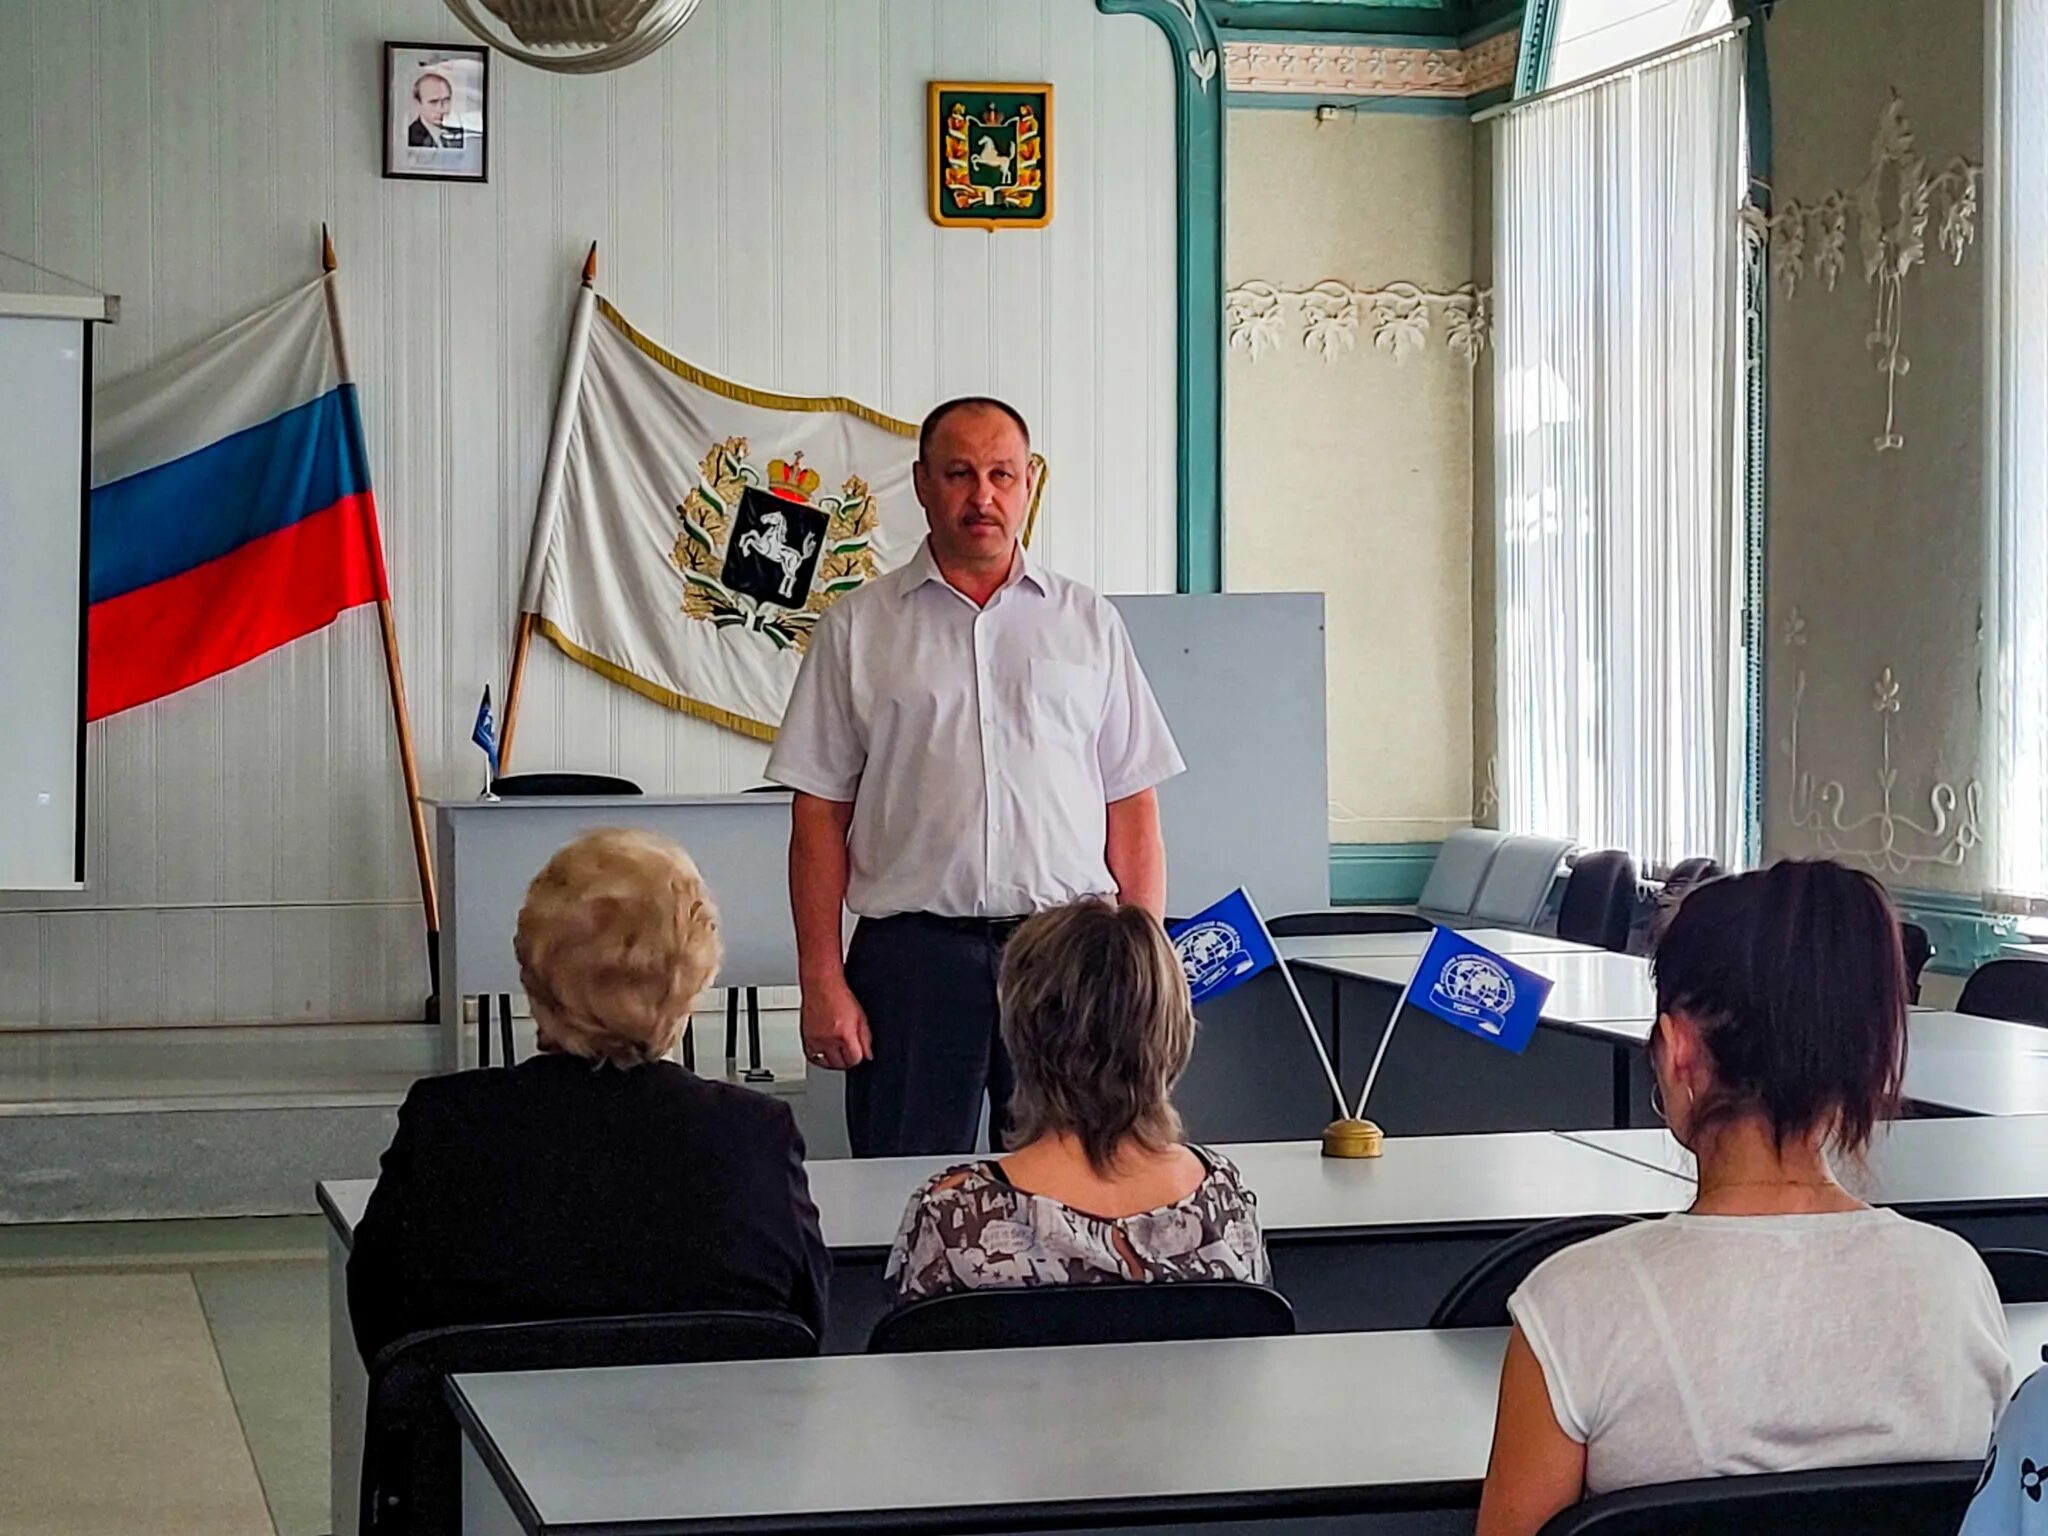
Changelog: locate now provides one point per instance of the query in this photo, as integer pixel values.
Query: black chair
(1599, 901)
(1919, 1498)
(1479, 1297)
(514, 786)
(2021, 1274)
(1687, 873)
(411, 1446)
(1033, 1317)
(2016, 990)
(1918, 950)
(1297, 925)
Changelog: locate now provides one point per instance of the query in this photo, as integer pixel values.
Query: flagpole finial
(327, 261)
(590, 266)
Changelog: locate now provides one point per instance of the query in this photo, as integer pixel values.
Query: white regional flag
(691, 531)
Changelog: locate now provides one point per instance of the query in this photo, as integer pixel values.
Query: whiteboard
(1240, 677)
(45, 370)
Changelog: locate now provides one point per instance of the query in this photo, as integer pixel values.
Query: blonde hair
(616, 939)
(1099, 1027)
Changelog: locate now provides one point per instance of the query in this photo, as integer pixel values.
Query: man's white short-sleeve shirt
(980, 747)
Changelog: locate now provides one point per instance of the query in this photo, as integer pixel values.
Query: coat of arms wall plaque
(991, 155)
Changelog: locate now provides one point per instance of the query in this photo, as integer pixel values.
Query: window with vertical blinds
(2017, 210)
(1618, 525)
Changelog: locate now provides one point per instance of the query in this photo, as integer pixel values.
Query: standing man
(970, 741)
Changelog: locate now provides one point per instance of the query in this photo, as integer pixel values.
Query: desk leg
(348, 1387)
(1624, 1095)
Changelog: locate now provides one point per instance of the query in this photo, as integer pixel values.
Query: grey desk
(1580, 1071)
(1354, 1244)
(1960, 1064)
(488, 851)
(1300, 1434)
(1983, 1176)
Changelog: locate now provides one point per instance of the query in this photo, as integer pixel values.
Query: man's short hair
(430, 74)
(939, 413)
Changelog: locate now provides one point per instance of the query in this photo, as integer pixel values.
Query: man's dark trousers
(928, 987)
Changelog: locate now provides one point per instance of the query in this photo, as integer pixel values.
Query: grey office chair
(1459, 871)
(411, 1447)
(1599, 901)
(1518, 882)
(1035, 1317)
(1922, 1498)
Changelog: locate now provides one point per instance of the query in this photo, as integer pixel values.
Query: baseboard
(1379, 874)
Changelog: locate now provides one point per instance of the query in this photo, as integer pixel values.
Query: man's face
(433, 96)
(975, 486)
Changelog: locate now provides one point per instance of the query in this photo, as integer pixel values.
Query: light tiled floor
(259, 1285)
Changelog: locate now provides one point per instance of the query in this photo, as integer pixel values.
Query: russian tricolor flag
(231, 507)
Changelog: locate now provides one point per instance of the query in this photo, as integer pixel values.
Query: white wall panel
(758, 192)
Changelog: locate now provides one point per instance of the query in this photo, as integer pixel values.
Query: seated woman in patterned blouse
(1099, 1185)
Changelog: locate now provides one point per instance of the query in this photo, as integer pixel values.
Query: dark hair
(1098, 1023)
(939, 413)
(1795, 978)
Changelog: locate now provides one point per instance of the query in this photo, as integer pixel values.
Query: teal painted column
(1198, 134)
(1539, 25)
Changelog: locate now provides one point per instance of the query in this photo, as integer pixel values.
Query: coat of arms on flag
(771, 560)
(692, 531)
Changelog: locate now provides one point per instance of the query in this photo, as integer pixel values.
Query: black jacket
(561, 1188)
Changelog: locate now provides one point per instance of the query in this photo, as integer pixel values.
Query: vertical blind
(2018, 209)
(1618, 525)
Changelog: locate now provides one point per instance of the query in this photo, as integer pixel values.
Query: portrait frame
(410, 153)
(1002, 177)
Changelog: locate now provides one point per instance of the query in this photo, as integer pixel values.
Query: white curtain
(1618, 549)
(2017, 209)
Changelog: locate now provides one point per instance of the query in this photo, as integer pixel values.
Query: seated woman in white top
(1779, 1324)
(1100, 1185)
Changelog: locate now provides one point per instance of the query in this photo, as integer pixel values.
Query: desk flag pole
(484, 733)
(1225, 946)
(1471, 988)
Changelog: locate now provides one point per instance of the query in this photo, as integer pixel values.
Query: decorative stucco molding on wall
(1338, 71)
(1202, 61)
(1893, 204)
(1882, 837)
(1328, 316)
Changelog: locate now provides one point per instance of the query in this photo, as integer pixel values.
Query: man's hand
(835, 1027)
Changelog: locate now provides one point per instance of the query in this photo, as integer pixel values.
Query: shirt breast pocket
(1064, 700)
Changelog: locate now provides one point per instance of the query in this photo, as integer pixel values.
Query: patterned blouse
(969, 1227)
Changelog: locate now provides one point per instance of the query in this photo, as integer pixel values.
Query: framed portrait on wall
(436, 101)
(991, 155)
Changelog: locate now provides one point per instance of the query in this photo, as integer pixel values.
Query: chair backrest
(1918, 949)
(1519, 881)
(1921, 1498)
(1599, 900)
(1030, 1317)
(1460, 869)
(410, 1468)
(2007, 989)
(1479, 1297)
(2021, 1274)
(1297, 925)
(514, 786)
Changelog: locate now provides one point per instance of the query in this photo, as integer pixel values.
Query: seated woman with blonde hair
(1779, 1324)
(596, 1177)
(1099, 1185)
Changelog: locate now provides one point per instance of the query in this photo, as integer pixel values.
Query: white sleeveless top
(1703, 1346)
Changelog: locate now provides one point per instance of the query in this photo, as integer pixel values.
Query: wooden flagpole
(551, 477)
(394, 679)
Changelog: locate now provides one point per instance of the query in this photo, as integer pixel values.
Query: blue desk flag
(485, 733)
(1222, 947)
(1470, 987)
